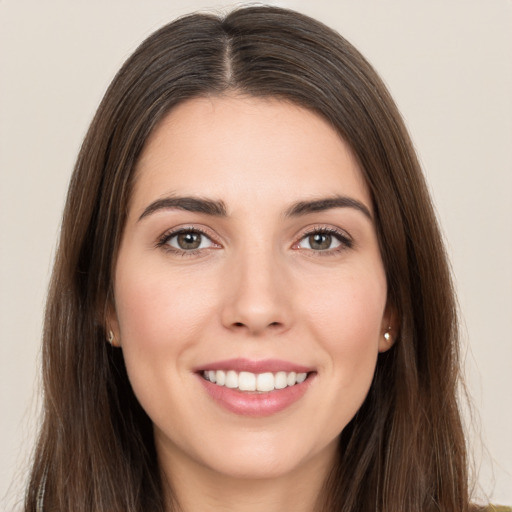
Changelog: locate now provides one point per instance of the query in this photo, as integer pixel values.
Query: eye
(324, 240)
(186, 240)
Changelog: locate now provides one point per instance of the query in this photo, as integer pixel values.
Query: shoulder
(497, 508)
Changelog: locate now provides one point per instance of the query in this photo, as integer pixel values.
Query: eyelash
(345, 241)
(164, 239)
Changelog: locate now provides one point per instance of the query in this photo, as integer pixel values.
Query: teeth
(301, 377)
(231, 379)
(265, 382)
(280, 380)
(247, 381)
(220, 377)
(291, 378)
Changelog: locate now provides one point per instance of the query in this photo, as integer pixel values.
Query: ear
(389, 328)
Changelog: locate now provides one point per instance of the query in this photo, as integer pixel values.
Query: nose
(257, 293)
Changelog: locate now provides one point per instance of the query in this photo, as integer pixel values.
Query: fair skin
(262, 269)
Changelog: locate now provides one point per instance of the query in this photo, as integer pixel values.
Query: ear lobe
(112, 331)
(389, 329)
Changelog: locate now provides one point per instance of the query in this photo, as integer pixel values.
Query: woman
(249, 229)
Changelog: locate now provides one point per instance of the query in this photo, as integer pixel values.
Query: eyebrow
(189, 204)
(218, 208)
(320, 205)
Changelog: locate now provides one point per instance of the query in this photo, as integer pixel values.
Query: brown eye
(320, 241)
(189, 241)
(324, 241)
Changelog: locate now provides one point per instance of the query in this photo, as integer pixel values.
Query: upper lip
(261, 366)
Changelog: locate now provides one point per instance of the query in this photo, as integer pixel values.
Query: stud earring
(387, 335)
(111, 339)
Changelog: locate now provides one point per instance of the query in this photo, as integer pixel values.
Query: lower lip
(256, 404)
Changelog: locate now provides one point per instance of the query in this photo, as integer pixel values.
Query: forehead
(235, 146)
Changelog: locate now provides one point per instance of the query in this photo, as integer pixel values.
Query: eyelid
(172, 232)
(346, 241)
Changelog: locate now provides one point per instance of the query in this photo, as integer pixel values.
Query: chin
(257, 468)
(267, 457)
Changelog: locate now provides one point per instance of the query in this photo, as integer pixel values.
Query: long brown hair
(405, 449)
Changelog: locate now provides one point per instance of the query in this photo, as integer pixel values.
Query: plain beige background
(448, 64)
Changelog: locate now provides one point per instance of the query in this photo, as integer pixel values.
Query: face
(250, 295)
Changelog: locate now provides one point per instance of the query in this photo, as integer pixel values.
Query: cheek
(160, 318)
(350, 304)
(347, 317)
(156, 309)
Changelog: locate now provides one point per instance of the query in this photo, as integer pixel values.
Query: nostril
(242, 324)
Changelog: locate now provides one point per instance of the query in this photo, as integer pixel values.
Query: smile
(256, 382)
(255, 388)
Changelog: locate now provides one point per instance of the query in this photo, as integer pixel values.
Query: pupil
(320, 241)
(189, 240)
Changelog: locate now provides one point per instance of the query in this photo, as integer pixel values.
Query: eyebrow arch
(190, 204)
(319, 205)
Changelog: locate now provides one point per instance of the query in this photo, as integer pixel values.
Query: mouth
(254, 382)
(255, 388)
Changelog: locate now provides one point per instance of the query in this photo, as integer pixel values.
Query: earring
(387, 335)
(111, 339)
